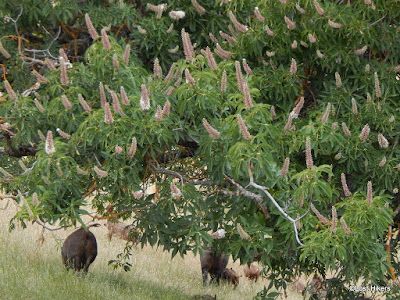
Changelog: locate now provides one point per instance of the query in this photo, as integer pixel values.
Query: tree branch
(48, 228)
(243, 192)
(265, 190)
(182, 177)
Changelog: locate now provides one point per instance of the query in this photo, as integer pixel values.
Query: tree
(273, 135)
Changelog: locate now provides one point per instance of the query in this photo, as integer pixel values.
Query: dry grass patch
(34, 271)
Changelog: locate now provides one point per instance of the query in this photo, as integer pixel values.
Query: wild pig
(251, 272)
(214, 264)
(124, 231)
(80, 249)
(230, 276)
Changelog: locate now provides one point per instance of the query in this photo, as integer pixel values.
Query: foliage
(337, 60)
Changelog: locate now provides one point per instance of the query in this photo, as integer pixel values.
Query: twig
(7, 197)
(122, 212)
(377, 21)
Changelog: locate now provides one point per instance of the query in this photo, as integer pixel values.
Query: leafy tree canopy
(266, 128)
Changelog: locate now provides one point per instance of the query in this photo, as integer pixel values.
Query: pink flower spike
(223, 81)
(346, 129)
(159, 114)
(269, 31)
(300, 9)
(102, 94)
(344, 226)
(10, 90)
(334, 25)
(318, 7)
(289, 23)
(169, 91)
(240, 27)
(361, 51)
(92, 31)
(382, 162)
(108, 118)
(293, 67)
(246, 94)
(116, 105)
(39, 77)
(309, 159)
(200, 9)
(126, 54)
(369, 192)
(175, 192)
(258, 15)
(100, 172)
(84, 104)
(239, 76)
(364, 133)
(296, 111)
(63, 134)
(383, 142)
(115, 61)
(230, 40)
(326, 114)
(49, 145)
(285, 168)
(167, 108)
(246, 67)
(189, 78)
(288, 125)
(144, 99)
(66, 102)
(105, 40)
(346, 190)
(132, 148)
(63, 74)
(211, 131)
(187, 45)
(157, 71)
(210, 59)
(378, 92)
(124, 97)
(224, 54)
(118, 149)
(243, 128)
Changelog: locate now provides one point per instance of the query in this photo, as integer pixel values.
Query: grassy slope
(29, 270)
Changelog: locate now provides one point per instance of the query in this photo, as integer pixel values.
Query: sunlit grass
(29, 270)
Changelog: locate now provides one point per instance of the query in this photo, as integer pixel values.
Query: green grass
(29, 270)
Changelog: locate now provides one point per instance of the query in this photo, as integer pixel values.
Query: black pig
(80, 249)
(214, 264)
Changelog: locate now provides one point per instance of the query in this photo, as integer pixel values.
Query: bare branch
(265, 190)
(182, 177)
(48, 228)
(243, 192)
(377, 21)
